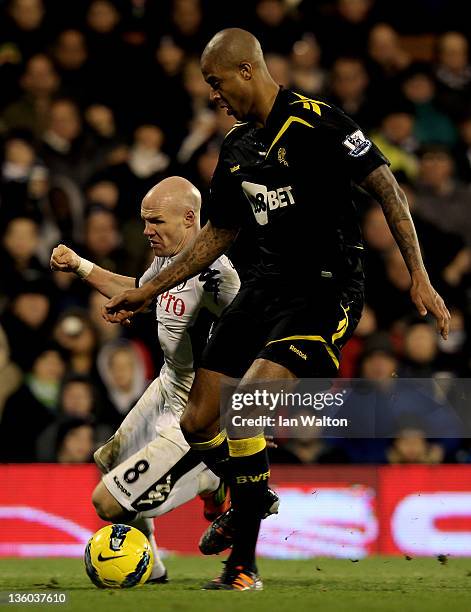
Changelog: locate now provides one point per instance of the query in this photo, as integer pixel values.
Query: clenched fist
(64, 259)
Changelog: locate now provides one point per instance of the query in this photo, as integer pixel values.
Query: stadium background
(99, 101)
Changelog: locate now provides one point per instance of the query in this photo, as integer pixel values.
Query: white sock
(146, 525)
(207, 482)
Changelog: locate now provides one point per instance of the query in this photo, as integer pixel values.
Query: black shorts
(302, 332)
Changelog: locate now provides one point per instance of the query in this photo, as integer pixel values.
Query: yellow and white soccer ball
(118, 557)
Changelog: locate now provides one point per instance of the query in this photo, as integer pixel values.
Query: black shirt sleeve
(225, 203)
(357, 153)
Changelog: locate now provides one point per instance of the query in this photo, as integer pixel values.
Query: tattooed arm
(382, 185)
(209, 244)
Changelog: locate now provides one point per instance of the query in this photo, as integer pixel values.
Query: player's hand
(122, 307)
(271, 442)
(427, 299)
(64, 259)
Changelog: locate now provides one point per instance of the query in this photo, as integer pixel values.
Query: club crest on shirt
(282, 156)
(357, 144)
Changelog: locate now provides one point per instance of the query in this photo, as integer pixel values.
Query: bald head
(174, 193)
(171, 213)
(233, 65)
(231, 47)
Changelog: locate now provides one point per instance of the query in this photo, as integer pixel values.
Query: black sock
(215, 453)
(249, 484)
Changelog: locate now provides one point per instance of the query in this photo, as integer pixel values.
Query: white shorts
(147, 463)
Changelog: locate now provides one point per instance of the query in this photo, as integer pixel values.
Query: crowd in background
(101, 99)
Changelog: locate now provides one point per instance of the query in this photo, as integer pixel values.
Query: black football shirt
(290, 182)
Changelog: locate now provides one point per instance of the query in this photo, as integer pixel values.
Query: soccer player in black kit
(285, 169)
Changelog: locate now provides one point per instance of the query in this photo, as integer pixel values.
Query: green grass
(376, 584)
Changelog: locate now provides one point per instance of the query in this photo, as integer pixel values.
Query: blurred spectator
(24, 27)
(196, 89)
(67, 149)
(348, 90)
(186, 25)
(431, 125)
(145, 165)
(396, 140)
(106, 47)
(39, 83)
(65, 210)
(78, 401)
(103, 193)
(18, 260)
(101, 236)
(106, 331)
(102, 243)
(441, 199)
(348, 25)
(279, 68)
(166, 69)
(387, 60)
(378, 360)
(70, 55)
(27, 321)
(206, 132)
(453, 73)
(75, 442)
(420, 351)
(76, 336)
(307, 74)
(452, 261)
(77, 397)
(170, 59)
(32, 408)
(411, 446)
(146, 157)
(274, 26)
(101, 122)
(205, 166)
(122, 372)
(23, 180)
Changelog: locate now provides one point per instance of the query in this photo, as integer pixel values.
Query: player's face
(166, 228)
(230, 89)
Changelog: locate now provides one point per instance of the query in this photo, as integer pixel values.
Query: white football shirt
(183, 321)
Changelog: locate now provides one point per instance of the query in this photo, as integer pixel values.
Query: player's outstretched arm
(382, 185)
(64, 259)
(209, 244)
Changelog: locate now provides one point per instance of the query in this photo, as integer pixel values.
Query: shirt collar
(278, 110)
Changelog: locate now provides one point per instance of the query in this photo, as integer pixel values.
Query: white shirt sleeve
(220, 283)
(152, 270)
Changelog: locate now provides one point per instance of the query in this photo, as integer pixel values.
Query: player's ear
(246, 70)
(189, 218)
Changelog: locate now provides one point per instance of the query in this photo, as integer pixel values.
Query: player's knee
(192, 427)
(107, 508)
(188, 425)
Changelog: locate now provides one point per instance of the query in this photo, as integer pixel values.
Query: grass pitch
(376, 584)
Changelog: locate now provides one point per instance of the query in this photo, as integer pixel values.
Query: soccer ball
(118, 557)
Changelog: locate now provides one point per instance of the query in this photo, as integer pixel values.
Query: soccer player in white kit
(148, 466)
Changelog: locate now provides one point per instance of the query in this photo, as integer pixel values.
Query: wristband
(85, 267)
